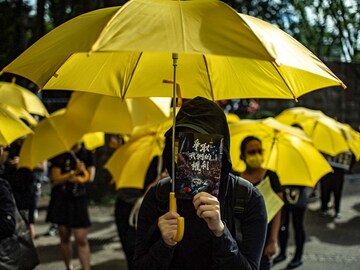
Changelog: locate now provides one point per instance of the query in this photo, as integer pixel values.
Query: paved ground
(331, 244)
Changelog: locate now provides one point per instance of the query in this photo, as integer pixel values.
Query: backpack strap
(162, 190)
(243, 190)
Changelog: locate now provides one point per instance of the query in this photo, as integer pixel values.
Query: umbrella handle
(180, 220)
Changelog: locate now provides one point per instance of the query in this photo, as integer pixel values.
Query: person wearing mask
(252, 154)
(215, 237)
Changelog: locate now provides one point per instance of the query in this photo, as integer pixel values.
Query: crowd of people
(227, 231)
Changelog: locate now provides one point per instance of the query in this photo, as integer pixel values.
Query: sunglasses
(255, 151)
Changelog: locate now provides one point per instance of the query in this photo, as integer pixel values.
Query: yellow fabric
(129, 163)
(93, 140)
(288, 151)
(94, 112)
(18, 96)
(232, 118)
(52, 136)
(21, 114)
(11, 127)
(228, 55)
(324, 130)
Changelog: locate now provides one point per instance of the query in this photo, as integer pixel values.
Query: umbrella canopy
(288, 151)
(21, 114)
(52, 136)
(117, 51)
(93, 140)
(232, 118)
(115, 115)
(326, 132)
(129, 163)
(11, 127)
(16, 95)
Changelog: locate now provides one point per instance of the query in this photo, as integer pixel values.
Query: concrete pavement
(330, 244)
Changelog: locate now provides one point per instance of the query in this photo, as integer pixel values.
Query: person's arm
(59, 178)
(7, 211)
(272, 243)
(243, 254)
(151, 252)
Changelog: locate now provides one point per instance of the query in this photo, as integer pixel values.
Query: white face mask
(254, 161)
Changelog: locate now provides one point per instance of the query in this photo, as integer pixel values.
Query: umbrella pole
(172, 200)
(175, 58)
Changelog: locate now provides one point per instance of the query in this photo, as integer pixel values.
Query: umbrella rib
(282, 77)
(207, 71)
(132, 75)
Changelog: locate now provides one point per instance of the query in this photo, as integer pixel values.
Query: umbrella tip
(13, 80)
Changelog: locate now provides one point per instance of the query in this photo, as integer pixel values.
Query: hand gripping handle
(180, 220)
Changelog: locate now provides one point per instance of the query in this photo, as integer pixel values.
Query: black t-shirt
(67, 162)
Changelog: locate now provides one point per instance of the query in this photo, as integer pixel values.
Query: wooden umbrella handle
(180, 220)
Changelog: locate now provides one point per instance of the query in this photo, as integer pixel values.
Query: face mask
(254, 161)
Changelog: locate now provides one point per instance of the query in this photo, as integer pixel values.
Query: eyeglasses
(255, 151)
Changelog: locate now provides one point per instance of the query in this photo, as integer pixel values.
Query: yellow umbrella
(21, 114)
(287, 150)
(93, 140)
(232, 118)
(11, 127)
(352, 138)
(224, 50)
(16, 95)
(94, 112)
(322, 129)
(52, 136)
(129, 163)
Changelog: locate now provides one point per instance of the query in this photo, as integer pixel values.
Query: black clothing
(69, 203)
(7, 210)
(237, 248)
(125, 201)
(332, 183)
(295, 199)
(265, 263)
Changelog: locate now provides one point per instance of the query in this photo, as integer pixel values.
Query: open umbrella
(287, 150)
(93, 140)
(328, 135)
(21, 114)
(113, 114)
(246, 47)
(16, 95)
(52, 136)
(222, 54)
(11, 127)
(129, 163)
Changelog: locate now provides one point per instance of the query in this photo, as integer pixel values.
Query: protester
(7, 208)
(252, 154)
(68, 207)
(215, 237)
(295, 204)
(333, 183)
(126, 200)
(22, 182)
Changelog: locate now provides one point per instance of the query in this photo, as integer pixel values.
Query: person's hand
(72, 177)
(208, 208)
(167, 224)
(14, 161)
(80, 167)
(271, 249)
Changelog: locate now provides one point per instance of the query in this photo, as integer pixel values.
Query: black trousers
(127, 234)
(296, 214)
(332, 183)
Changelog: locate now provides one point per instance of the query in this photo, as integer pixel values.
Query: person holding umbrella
(215, 236)
(68, 207)
(252, 154)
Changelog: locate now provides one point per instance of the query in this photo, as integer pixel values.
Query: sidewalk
(331, 244)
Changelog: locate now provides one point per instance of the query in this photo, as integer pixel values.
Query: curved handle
(180, 220)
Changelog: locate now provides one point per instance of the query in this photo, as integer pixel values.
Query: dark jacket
(200, 248)
(7, 210)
